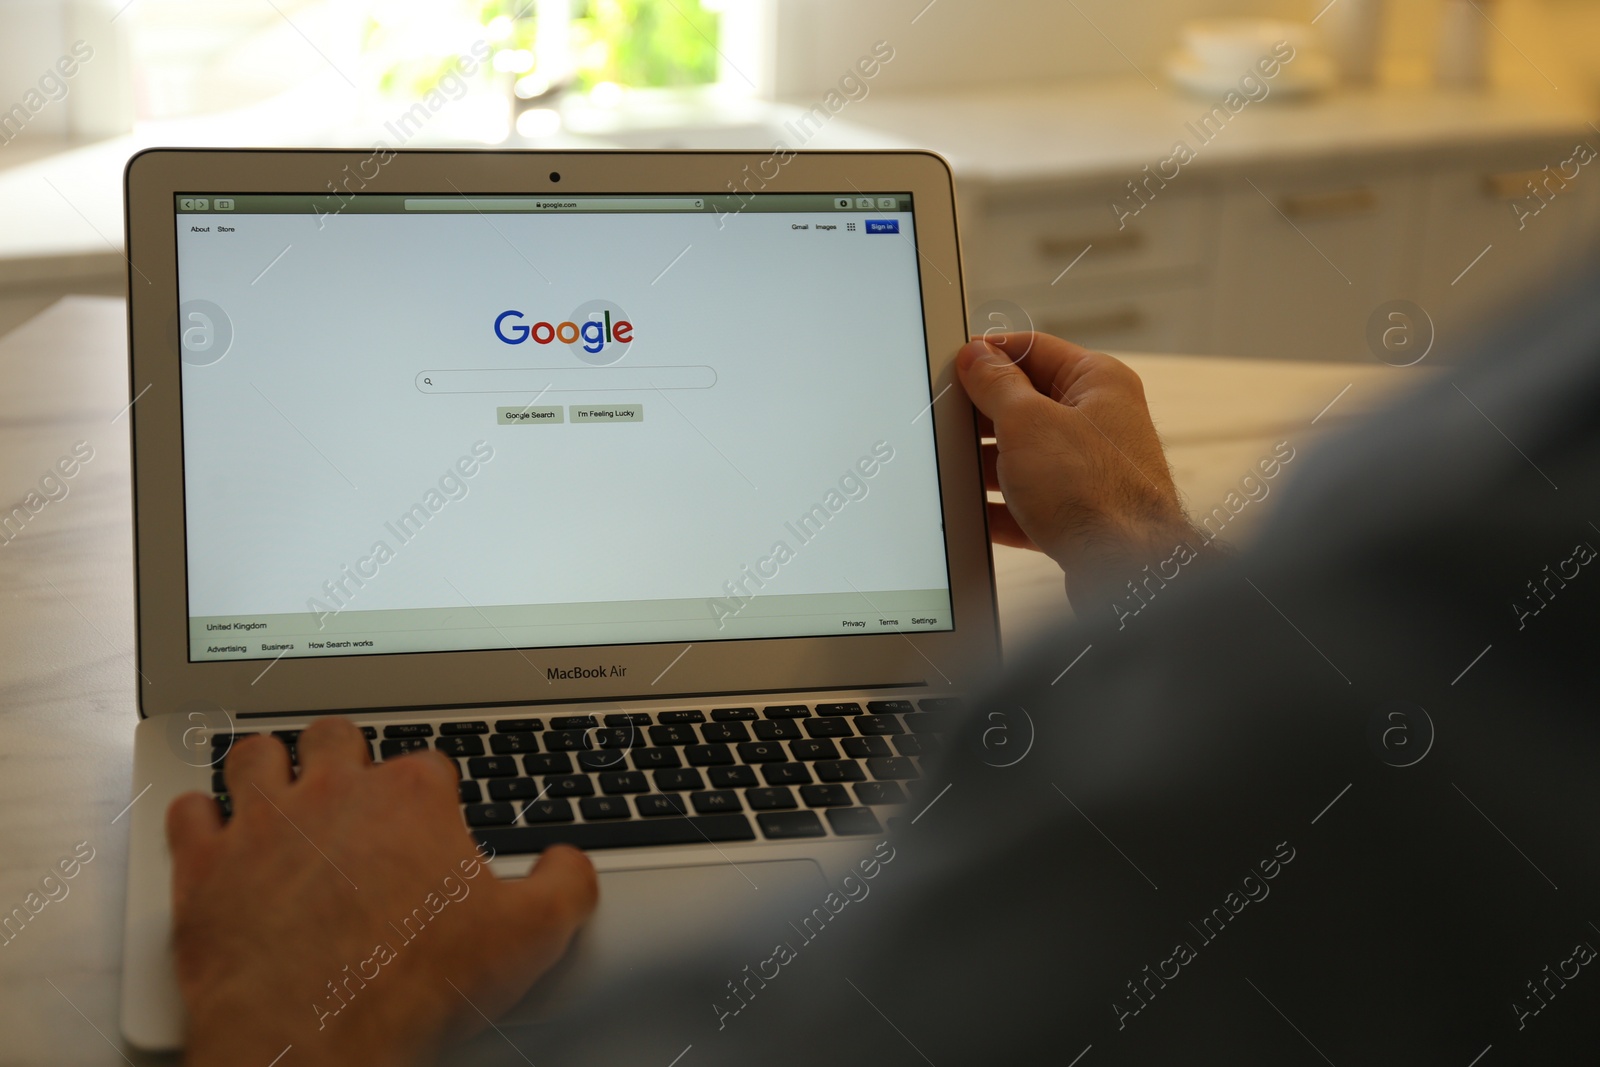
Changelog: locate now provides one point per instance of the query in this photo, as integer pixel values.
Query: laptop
(637, 483)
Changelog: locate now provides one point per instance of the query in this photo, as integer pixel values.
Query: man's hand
(1076, 458)
(348, 913)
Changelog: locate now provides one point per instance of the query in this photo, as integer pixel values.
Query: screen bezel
(945, 660)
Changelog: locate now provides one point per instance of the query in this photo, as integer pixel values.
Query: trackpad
(663, 912)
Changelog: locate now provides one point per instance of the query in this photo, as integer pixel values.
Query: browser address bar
(539, 380)
(554, 203)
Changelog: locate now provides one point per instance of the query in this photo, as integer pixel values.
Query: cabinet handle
(1120, 320)
(1513, 184)
(1068, 247)
(1329, 205)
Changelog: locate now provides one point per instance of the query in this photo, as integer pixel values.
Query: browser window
(438, 423)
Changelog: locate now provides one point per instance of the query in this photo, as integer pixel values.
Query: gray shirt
(1332, 800)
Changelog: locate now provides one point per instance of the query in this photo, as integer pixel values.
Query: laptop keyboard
(631, 779)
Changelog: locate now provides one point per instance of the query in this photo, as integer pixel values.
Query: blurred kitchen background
(1439, 153)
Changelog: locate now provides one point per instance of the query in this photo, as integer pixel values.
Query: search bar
(536, 381)
(554, 203)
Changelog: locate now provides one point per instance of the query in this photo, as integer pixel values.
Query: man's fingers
(1004, 530)
(193, 824)
(1051, 363)
(560, 892)
(332, 742)
(256, 763)
(996, 385)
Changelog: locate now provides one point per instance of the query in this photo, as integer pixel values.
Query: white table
(67, 676)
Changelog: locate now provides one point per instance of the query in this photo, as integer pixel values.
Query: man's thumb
(991, 379)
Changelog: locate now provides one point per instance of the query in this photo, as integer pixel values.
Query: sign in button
(883, 225)
(526, 416)
(607, 412)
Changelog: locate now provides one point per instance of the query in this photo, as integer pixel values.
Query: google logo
(595, 333)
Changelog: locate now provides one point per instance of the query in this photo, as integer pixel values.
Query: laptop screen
(437, 423)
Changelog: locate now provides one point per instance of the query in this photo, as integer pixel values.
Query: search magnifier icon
(427, 381)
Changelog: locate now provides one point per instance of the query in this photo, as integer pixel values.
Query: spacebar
(630, 834)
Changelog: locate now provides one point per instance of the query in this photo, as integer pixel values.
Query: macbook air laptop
(636, 483)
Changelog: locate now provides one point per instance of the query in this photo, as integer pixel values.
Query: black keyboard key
(460, 745)
(569, 785)
(490, 814)
(839, 770)
(407, 729)
(829, 727)
(613, 782)
(605, 759)
(676, 780)
(850, 708)
(646, 759)
(401, 746)
(672, 735)
(660, 804)
(930, 743)
(451, 728)
(777, 730)
(880, 793)
(925, 722)
(911, 744)
(813, 750)
(679, 718)
(621, 833)
(715, 800)
(289, 737)
(708, 755)
(225, 807)
(879, 724)
(733, 715)
(764, 799)
(762, 752)
(619, 736)
(219, 782)
(940, 704)
(725, 731)
(547, 763)
(492, 767)
(826, 796)
(782, 824)
(369, 732)
(547, 810)
(604, 807)
(469, 792)
(864, 747)
(889, 707)
(573, 722)
(628, 718)
(848, 822)
(567, 740)
(786, 773)
(229, 740)
(513, 744)
(786, 711)
(519, 726)
(891, 767)
(513, 789)
(735, 777)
